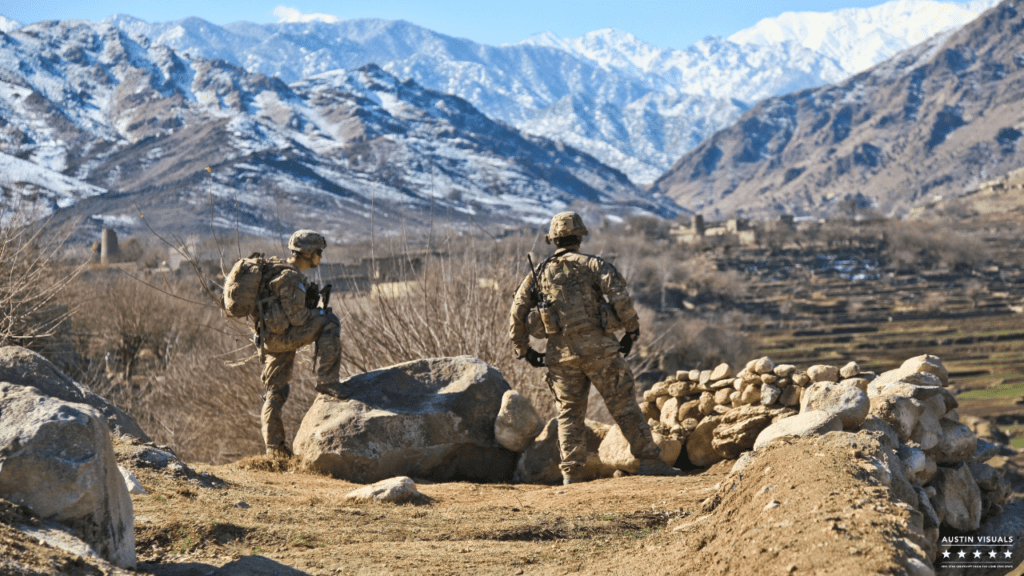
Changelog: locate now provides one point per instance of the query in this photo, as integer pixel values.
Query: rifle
(314, 294)
(538, 294)
(325, 294)
(547, 315)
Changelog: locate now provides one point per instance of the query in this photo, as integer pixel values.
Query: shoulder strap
(540, 272)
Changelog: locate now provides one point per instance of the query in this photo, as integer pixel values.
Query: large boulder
(539, 463)
(900, 413)
(23, 367)
(912, 410)
(56, 458)
(431, 419)
(517, 423)
(848, 402)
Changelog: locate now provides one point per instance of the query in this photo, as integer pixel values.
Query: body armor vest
(571, 291)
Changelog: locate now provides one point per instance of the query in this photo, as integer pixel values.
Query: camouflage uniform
(589, 302)
(290, 326)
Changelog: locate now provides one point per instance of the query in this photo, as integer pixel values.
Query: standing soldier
(582, 300)
(292, 320)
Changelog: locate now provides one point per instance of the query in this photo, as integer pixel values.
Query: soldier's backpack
(242, 286)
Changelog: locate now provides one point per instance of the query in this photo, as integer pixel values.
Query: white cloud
(286, 14)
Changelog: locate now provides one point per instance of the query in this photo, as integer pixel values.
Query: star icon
(962, 554)
(1009, 554)
(977, 553)
(992, 554)
(945, 553)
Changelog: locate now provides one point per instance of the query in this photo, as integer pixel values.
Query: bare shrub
(33, 275)
(458, 305)
(921, 246)
(686, 343)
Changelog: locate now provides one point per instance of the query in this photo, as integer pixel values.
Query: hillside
(931, 123)
(91, 103)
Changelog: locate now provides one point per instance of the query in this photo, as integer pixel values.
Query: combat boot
(657, 467)
(280, 452)
(336, 390)
(568, 479)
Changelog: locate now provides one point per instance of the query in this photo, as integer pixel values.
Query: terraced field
(840, 307)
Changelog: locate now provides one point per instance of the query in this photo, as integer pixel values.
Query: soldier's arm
(613, 286)
(522, 303)
(290, 288)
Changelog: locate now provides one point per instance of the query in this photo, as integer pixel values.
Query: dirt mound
(807, 506)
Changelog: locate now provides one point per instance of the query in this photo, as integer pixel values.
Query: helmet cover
(306, 242)
(566, 224)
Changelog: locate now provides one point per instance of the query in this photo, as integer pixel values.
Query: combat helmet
(565, 224)
(306, 242)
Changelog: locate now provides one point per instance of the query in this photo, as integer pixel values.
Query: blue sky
(663, 23)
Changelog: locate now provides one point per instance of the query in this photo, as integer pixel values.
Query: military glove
(626, 344)
(536, 359)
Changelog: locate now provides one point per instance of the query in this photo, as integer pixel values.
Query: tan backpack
(242, 286)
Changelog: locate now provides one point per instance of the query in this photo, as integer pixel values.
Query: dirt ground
(801, 508)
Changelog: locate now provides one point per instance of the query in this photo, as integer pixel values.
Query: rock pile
(928, 458)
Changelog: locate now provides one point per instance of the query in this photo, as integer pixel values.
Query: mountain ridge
(143, 122)
(935, 120)
(891, 27)
(522, 83)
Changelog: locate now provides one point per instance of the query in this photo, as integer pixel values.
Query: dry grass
(33, 275)
(158, 346)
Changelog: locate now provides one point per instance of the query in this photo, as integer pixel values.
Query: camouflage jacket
(588, 303)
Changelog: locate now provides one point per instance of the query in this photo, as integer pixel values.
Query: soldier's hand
(536, 359)
(626, 344)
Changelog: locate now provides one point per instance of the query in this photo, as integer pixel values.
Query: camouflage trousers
(279, 360)
(570, 382)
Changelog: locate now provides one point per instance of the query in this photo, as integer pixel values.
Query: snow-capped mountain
(931, 123)
(859, 38)
(129, 125)
(712, 67)
(634, 106)
(508, 83)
